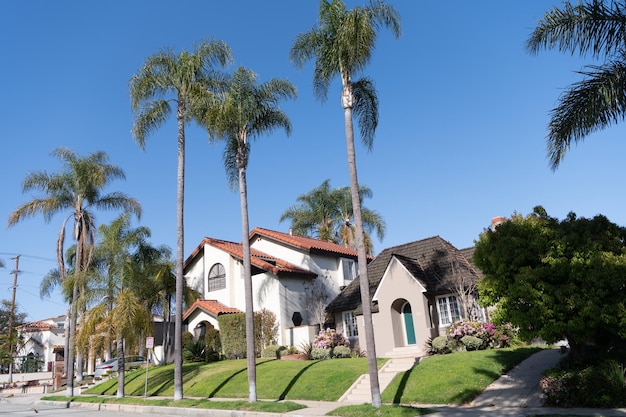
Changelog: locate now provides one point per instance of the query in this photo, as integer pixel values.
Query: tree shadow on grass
(234, 374)
(293, 381)
(397, 397)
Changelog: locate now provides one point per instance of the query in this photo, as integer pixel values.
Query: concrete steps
(401, 359)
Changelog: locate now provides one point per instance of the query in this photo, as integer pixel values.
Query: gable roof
(307, 244)
(211, 307)
(433, 261)
(260, 261)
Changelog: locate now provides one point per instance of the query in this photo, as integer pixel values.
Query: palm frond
(587, 106)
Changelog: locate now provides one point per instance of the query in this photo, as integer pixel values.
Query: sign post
(149, 347)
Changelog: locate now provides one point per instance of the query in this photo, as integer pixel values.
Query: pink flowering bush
(491, 335)
(329, 338)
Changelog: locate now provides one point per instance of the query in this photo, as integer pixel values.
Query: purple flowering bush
(329, 338)
(492, 336)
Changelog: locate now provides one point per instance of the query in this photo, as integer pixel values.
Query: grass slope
(276, 379)
(456, 378)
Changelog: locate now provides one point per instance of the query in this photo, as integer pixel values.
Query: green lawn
(276, 379)
(456, 378)
(444, 379)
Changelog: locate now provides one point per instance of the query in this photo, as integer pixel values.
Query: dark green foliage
(213, 345)
(195, 351)
(601, 385)
(557, 279)
(233, 332)
(233, 335)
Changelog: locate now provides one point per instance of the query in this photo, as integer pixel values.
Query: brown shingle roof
(429, 260)
(259, 260)
(213, 307)
(306, 243)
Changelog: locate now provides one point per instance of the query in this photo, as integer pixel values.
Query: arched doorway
(409, 328)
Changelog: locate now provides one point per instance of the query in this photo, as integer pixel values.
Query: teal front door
(408, 324)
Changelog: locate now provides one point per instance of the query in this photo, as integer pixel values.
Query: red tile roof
(259, 259)
(212, 307)
(306, 243)
(37, 326)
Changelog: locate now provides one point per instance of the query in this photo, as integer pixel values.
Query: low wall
(25, 377)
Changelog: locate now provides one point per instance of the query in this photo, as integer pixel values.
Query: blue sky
(461, 137)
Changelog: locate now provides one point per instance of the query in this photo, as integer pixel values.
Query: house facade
(42, 347)
(294, 277)
(417, 290)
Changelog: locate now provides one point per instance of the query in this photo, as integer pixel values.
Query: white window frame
(350, 270)
(216, 282)
(350, 328)
(448, 310)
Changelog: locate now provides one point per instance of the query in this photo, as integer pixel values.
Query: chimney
(495, 221)
(290, 231)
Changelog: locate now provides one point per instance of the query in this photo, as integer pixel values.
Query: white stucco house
(414, 296)
(291, 275)
(43, 342)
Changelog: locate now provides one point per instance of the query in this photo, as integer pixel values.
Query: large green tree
(342, 44)
(184, 83)
(590, 28)
(326, 214)
(248, 110)
(10, 316)
(77, 189)
(557, 279)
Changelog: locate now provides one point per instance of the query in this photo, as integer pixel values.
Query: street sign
(149, 342)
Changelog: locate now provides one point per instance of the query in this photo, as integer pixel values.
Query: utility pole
(12, 316)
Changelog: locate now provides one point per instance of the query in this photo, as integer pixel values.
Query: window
(349, 324)
(349, 269)
(448, 309)
(217, 278)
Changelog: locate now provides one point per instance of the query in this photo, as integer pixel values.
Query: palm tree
(327, 215)
(119, 304)
(248, 110)
(342, 44)
(590, 28)
(189, 79)
(77, 189)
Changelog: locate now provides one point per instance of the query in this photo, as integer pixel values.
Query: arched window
(217, 278)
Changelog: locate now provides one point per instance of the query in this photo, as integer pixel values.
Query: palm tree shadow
(227, 380)
(397, 398)
(293, 381)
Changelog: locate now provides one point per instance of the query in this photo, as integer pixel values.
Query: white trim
(380, 285)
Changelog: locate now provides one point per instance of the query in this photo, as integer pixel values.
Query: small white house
(294, 277)
(43, 344)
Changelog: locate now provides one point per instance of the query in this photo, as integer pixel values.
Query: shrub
(602, 385)
(491, 335)
(329, 338)
(306, 349)
(273, 351)
(320, 353)
(195, 351)
(472, 342)
(341, 352)
(442, 345)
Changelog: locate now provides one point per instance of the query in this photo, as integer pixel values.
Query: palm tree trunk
(121, 365)
(247, 282)
(362, 262)
(180, 233)
(72, 343)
